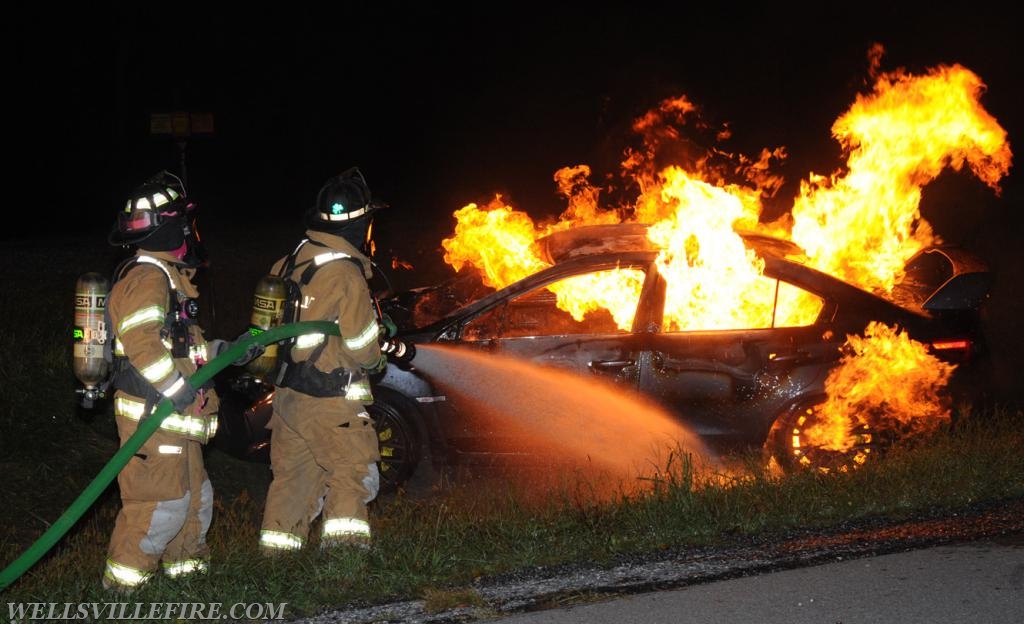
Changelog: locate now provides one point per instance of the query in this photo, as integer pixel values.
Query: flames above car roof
(625, 237)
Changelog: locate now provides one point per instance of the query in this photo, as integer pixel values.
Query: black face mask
(357, 234)
(167, 237)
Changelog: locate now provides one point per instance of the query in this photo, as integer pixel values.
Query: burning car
(761, 385)
(819, 335)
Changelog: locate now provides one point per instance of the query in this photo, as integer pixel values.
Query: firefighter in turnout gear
(324, 448)
(166, 496)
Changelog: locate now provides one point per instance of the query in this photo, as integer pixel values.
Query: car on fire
(737, 388)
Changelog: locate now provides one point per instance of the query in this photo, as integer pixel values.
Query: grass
(431, 549)
(434, 548)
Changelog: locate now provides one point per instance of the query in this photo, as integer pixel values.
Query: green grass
(428, 548)
(434, 548)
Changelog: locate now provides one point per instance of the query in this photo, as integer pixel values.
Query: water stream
(591, 425)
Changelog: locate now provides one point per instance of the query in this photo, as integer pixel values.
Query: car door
(533, 325)
(728, 384)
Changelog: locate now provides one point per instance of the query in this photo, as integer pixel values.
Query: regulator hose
(146, 428)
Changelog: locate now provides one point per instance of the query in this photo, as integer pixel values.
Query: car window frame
(642, 261)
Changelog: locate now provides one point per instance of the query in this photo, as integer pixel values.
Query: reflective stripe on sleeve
(158, 370)
(174, 387)
(365, 337)
(145, 315)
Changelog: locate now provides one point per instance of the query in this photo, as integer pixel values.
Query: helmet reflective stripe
(327, 257)
(345, 216)
(185, 567)
(346, 526)
(365, 337)
(175, 423)
(158, 263)
(145, 315)
(279, 539)
(124, 575)
(306, 341)
(359, 391)
(158, 370)
(159, 199)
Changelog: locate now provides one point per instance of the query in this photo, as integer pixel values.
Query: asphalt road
(976, 582)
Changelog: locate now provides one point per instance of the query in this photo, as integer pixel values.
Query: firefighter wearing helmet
(166, 496)
(324, 447)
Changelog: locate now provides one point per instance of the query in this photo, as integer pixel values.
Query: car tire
(788, 449)
(406, 465)
(398, 440)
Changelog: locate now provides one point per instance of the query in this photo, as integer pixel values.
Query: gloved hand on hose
(398, 351)
(217, 346)
(388, 329)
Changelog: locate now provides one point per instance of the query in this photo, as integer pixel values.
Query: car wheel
(398, 440)
(789, 446)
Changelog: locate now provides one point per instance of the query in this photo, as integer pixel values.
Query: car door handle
(789, 357)
(610, 364)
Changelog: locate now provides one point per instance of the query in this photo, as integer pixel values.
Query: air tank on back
(90, 337)
(267, 312)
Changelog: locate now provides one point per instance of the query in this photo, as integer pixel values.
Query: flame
(398, 263)
(861, 224)
(886, 381)
(705, 262)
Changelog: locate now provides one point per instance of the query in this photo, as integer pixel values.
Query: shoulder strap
(289, 265)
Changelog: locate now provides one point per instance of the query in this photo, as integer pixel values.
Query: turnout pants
(166, 508)
(323, 454)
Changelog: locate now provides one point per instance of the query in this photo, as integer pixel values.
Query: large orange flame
(862, 225)
(887, 381)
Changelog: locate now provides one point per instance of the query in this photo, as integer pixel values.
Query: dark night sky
(441, 106)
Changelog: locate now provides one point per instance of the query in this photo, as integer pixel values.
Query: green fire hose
(146, 429)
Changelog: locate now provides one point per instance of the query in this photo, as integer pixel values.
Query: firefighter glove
(388, 329)
(218, 346)
(397, 350)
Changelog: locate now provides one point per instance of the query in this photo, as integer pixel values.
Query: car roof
(591, 240)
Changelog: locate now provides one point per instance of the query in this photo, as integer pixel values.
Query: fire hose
(145, 429)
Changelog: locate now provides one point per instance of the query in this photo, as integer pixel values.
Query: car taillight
(952, 348)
